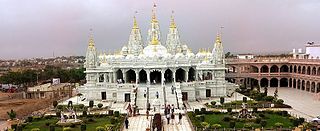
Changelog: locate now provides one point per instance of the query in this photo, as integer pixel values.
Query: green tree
(12, 114)
(221, 100)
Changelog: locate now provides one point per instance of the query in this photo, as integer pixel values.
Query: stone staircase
(141, 100)
(152, 94)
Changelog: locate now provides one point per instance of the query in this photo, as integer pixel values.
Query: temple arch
(284, 82)
(303, 70)
(303, 86)
(284, 68)
(119, 75)
(274, 69)
(274, 82)
(299, 69)
(308, 86)
(294, 83)
(314, 71)
(313, 87)
(309, 70)
(264, 82)
(299, 84)
(155, 77)
(180, 75)
(130, 76)
(191, 75)
(295, 69)
(264, 69)
(143, 76)
(254, 69)
(168, 77)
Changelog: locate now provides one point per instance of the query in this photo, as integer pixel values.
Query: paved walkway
(138, 123)
(303, 103)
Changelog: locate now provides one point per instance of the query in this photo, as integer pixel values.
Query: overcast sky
(37, 28)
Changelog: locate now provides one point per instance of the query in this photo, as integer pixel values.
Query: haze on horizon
(37, 28)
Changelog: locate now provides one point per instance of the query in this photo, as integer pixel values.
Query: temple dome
(155, 51)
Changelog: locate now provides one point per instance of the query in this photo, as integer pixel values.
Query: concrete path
(175, 126)
(138, 123)
(304, 103)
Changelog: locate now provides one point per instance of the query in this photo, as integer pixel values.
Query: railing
(272, 60)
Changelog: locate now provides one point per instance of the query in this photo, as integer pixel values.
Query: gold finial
(91, 41)
(154, 19)
(172, 23)
(218, 38)
(154, 41)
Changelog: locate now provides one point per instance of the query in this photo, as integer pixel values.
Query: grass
(91, 126)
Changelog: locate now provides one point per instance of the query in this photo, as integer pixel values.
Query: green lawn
(91, 126)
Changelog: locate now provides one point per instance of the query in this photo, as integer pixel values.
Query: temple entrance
(208, 93)
(142, 76)
(127, 97)
(274, 82)
(207, 76)
(283, 82)
(155, 77)
(131, 76)
(184, 96)
(168, 76)
(191, 75)
(119, 75)
(264, 82)
(180, 75)
(103, 95)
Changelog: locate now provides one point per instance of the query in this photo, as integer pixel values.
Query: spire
(135, 24)
(172, 23)
(154, 19)
(154, 41)
(91, 41)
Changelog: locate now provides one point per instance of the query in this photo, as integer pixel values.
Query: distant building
(49, 91)
(312, 51)
(245, 56)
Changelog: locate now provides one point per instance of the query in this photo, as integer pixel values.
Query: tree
(276, 93)
(221, 100)
(91, 104)
(12, 114)
(55, 104)
(100, 105)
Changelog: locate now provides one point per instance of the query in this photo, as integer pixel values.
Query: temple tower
(135, 44)
(173, 43)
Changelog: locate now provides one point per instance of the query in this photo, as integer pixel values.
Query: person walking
(172, 118)
(157, 94)
(147, 112)
(180, 117)
(126, 122)
(168, 118)
(145, 94)
(172, 108)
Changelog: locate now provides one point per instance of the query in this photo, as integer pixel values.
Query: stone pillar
(137, 76)
(279, 83)
(110, 77)
(196, 73)
(114, 77)
(124, 76)
(174, 75)
(148, 76)
(269, 81)
(104, 77)
(187, 75)
(97, 77)
(162, 77)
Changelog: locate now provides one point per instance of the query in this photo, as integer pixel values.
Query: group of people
(169, 114)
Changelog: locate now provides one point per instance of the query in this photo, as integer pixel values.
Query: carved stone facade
(156, 68)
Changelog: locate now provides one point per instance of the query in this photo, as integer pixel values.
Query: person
(157, 94)
(172, 118)
(168, 118)
(168, 108)
(145, 94)
(172, 89)
(154, 82)
(172, 108)
(180, 117)
(147, 112)
(126, 122)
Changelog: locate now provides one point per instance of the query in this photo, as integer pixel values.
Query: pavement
(304, 104)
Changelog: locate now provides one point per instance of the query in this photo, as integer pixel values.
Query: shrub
(200, 117)
(58, 113)
(279, 101)
(72, 125)
(229, 110)
(81, 106)
(19, 128)
(263, 123)
(84, 113)
(100, 105)
(213, 103)
(205, 125)
(203, 110)
(247, 125)
(255, 109)
(91, 104)
(196, 111)
(52, 128)
(67, 129)
(221, 100)
(14, 126)
(100, 128)
(226, 118)
(216, 126)
(47, 117)
(116, 113)
(12, 114)
(54, 103)
(110, 112)
(47, 123)
(83, 127)
(244, 99)
(258, 120)
(232, 124)
(60, 107)
(29, 119)
(90, 120)
(268, 98)
(278, 124)
(35, 129)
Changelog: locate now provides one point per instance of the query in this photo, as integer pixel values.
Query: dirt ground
(22, 107)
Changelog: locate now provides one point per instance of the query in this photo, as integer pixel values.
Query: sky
(43, 28)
